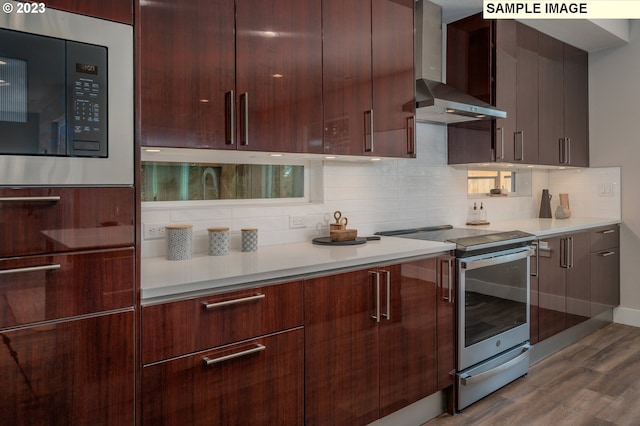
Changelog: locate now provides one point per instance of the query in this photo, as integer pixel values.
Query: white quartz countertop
(163, 279)
(547, 227)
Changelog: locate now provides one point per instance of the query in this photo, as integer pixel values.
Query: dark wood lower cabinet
(370, 342)
(255, 382)
(75, 372)
(565, 277)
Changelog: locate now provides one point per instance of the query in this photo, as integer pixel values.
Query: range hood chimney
(437, 102)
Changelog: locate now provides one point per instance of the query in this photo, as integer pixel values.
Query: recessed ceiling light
(152, 150)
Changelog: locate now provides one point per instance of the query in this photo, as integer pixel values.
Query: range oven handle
(496, 259)
(469, 380)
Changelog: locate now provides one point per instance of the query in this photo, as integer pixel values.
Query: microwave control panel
(86, 100)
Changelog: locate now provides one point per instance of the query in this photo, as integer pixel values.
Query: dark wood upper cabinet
(186, 64)
(531, 77)
(224, 75)
(346, 76)
(113, 10)
(394, 83)
(279, 75)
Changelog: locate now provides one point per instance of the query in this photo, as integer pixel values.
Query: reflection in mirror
(499, 182)
(166, 181)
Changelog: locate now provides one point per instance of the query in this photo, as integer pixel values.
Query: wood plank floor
(595, 381)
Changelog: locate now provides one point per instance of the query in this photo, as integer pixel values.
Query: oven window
(495, 300)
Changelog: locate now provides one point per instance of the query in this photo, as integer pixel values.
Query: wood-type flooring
(595, 381)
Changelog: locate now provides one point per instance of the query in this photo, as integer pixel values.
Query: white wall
(614, 96)
(375, 196)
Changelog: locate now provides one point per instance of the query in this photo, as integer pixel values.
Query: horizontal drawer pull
(607, 253)
(53, 198)
(211, 361)
(208, 305)
(607, 231)
(30, 269)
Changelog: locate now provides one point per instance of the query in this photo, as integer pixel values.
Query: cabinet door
(77, 372)
(525, 141)
(394, 100)
(552, 287)
(408, 341)
(341, 349)
(576, 105)
(445, 300)
(469, 47)
(578, 278)
(551, 99)
(113, 10)
(605, 280)
(506, 56)
(256, 382)
(279, 75)
(186, 65)
(346, 76)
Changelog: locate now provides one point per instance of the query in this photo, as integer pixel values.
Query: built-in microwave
(66, 100)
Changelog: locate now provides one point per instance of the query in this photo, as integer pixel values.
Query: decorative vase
(564, 202)
(560, 214)
(545, 204)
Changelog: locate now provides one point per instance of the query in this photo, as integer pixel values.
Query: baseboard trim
(417, 413)
(626, 316)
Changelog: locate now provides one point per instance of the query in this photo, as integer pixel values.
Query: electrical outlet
(297, 222)
(154, 231)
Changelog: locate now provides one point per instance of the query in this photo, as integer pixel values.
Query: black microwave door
(32, 95)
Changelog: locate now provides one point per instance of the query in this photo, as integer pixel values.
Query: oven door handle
(470, 380)
(496, 260)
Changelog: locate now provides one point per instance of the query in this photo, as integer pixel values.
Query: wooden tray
(326, 241)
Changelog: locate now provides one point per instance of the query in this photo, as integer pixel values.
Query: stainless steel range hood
(437, 102)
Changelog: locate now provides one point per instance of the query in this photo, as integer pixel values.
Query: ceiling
(590, 35)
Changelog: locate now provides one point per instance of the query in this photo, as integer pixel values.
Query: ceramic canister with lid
(218, 241)
(179, 245)
(249, 239)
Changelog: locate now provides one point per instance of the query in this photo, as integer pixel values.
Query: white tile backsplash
(390, 194)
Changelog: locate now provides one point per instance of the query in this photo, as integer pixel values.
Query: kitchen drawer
(75, 372)
(177, 328)
(605, 238)
(255, 382)
(41, 288)
(46, 220)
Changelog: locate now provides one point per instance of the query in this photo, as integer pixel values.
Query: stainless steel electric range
(492, 305)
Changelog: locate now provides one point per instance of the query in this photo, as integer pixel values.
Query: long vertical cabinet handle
(368, 131)
(387, 315)
(501, 157)
(377, 295)
(411, 135)
(448, 296)
(562, 151)
(244, 119)
(568, 148)
(536, 244)
(230, 118)
(564, 260)
(570, 254)
(519, 133)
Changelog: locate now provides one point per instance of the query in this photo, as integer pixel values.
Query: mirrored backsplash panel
(168, 181)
